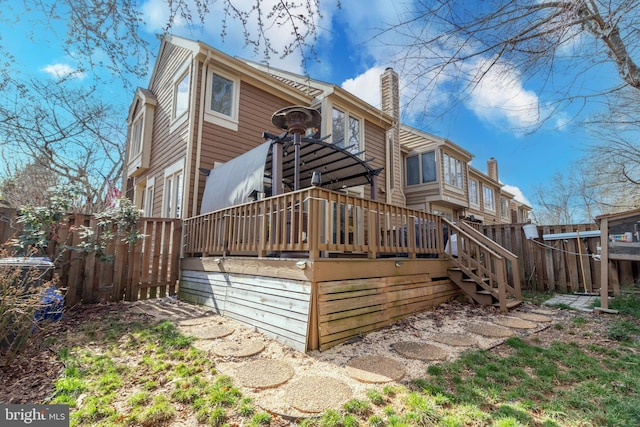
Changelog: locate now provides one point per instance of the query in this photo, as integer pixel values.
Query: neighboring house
(203, 108)
(438, 178)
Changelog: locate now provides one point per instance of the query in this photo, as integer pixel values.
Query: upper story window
(140, 129)
(453, 171)
(135, 141)
(421, 168)
(505, 212)
(223, 99)
(489, 200)
(473, 192)
(181, 95)
(346, 131)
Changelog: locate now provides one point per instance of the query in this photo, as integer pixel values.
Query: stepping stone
(489, 330)
(375, 369)
(456, 340)
(514, 322)
(317, 394)
(240, 348)
(210, 332)
(420, 351)
(263, 373)
(194, 321)
(534, 317)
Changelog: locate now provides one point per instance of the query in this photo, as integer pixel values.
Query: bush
(22, 304)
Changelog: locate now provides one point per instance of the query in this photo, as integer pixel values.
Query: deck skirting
(311, 305)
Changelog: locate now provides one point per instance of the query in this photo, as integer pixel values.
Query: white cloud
(517, 193)
(366, 86)
(61, 71)
(500, 99)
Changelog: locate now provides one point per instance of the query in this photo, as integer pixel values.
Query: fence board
(552, 266)
(149, 269)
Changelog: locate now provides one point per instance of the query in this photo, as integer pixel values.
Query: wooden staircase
(479, 266)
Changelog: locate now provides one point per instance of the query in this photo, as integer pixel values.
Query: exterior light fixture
(316, 179)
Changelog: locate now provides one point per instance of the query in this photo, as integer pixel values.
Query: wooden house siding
(168, 147)
(374, 145)
(220, 144)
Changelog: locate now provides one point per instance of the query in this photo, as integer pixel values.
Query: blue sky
(488, 124)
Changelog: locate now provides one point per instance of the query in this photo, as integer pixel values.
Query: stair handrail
(468, 263)
(494, 267)
(515, 288)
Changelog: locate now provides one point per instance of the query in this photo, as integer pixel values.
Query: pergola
(291, 161)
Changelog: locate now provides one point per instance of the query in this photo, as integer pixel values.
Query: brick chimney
(390, 93)
(492, 168)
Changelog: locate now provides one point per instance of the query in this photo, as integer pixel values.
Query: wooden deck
(314, 268)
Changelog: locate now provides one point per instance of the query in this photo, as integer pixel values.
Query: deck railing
(314, 223)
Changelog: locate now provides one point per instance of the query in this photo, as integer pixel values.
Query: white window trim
(169, 172)
(138, 162)
(149, 186)
(477, 203)
(446, 158)
(484, 203)
(506, 214)
(348, 114)
(229, 122)
(177, 121)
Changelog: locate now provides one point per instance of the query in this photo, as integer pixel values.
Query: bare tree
(103, 34)
(69, 133)
(459, 44)
(27, 183)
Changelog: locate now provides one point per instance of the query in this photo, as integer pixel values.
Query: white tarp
(231, 183)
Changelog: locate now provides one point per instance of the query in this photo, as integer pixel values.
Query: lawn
(117, 370)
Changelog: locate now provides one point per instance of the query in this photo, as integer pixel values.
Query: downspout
(203, 91)
(187, 167)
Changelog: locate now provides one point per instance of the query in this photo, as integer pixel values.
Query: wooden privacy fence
(147, 269)
(553, 265)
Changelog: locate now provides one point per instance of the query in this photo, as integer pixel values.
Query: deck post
(276, 168)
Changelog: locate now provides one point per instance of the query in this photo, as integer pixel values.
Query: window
(489, 201)
(221, 95)
(140, 128)
(413, 168)
(452, 171)
(147, 203)
(505, 212)
(223, 98)
(173, 181)
(421, 168)
(346, 131)
(473, 192)
(181, 96)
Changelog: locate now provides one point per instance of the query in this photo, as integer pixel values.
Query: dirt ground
(29, 378)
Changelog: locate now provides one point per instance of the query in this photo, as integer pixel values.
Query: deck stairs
(484, 270)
